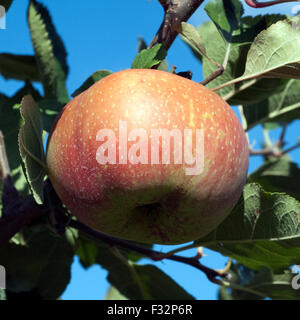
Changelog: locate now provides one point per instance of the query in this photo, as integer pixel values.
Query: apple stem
(214, 75)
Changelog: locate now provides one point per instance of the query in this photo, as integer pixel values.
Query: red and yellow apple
(148, 156)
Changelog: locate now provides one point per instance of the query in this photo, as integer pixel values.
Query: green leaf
(10, 122)
(121, 273)
(263, 230)
(271, 125)
(255, 91)
(236, 58)
(274, 53)
(148, 58)
(87, 252)
(223, 294)
(235, 29)
(245, 284)
(49, 52)
(191, 36)
(31, 147)
(138, 282)
(41, 261)
(239, 93)
(133, 281)
(283, 106)
(278, 175)
(226, 15)
(96, 76)
(114, 294)
(20, 67)
(43, 50)
(159, 285)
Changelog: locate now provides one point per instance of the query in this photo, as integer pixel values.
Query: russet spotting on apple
(148, 156)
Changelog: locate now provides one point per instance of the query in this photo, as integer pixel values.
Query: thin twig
(175, 12)
(296, 146)
(280, 141)
(263, 152)
(214, 75)
(152, 254)
(272, 151)
(256, 4)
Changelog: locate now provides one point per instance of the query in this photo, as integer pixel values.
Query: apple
(148, 156)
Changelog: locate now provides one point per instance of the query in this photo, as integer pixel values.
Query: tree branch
(296, 146)
(272, 151)
(175, 12)
(152, 254)
(19, 212)
(275, 149)
(280, 142)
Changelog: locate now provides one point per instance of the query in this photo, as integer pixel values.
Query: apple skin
(147, 203)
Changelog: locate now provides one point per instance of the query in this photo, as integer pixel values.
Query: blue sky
(101, 34)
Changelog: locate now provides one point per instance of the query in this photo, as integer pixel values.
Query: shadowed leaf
(263, 230)
(278, 175)
(31, 147)
(283, 106)
(114, 294)
(20, 67)
(40, 261)
(133, 281)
